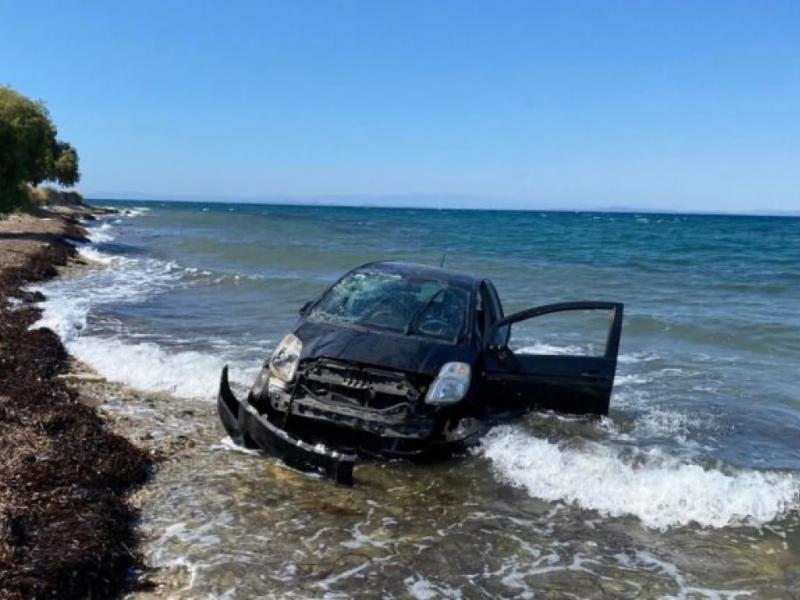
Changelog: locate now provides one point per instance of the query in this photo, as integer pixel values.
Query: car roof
(449, 276)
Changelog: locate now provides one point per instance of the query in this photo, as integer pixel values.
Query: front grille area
(359, 386)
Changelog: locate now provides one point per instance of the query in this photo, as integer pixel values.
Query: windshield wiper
(421, 311)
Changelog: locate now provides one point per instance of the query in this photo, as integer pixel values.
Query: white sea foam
(226, 444)
(637, 357)
(65, 316)
(101, 233)
(148, 367)
(420, 588)
(69, 300)
(660, 490)
(136, 211)
(587, 350)
(632, 379)
(651, 376)
(661, 422)
(143, 365)
(549, 349)
(92, 254)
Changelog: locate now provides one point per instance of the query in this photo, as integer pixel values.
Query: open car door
(521, 372)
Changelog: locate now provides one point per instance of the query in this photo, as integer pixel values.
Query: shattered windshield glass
(395, 302)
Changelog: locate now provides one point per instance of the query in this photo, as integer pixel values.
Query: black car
(405, 360)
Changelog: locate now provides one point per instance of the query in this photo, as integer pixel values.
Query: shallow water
(691, 487)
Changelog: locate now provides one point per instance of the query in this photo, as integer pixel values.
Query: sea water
(689, 488)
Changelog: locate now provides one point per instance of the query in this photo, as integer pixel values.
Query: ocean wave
(632, 379)
(535, 347)
(645, 400)
(542, 348)
(145, 366)
(662, 422)
(651, 376)
(136, 211)
(68, 301)
(101, 234)
(631, 358)
(551, 349)
(638, 357)
(148, 367)
(92, 254)
(660, 490)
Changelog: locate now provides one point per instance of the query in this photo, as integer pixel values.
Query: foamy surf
(659, 490)
(145, 366)
(115, 278)
(92, 254)
(149, 368)
(136, 211)
(551, 349)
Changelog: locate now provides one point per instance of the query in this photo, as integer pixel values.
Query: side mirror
(305, 308)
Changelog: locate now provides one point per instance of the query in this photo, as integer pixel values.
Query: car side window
(570, 333)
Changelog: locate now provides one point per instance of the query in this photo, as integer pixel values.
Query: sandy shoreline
(67, 465)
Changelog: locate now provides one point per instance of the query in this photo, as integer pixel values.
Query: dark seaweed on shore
(65, 528)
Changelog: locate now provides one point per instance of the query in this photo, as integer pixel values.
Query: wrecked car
(402, 360)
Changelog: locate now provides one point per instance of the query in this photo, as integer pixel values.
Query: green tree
(65, 166)
(30, 151)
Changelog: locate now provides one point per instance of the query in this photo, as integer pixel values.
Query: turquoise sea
(690, 488)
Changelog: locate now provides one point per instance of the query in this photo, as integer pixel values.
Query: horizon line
(351, 201)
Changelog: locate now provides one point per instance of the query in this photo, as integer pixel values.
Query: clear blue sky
(684, 105)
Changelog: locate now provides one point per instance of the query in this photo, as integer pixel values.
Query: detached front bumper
(248, 427)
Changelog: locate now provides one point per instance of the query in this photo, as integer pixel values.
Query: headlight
(283, 363)
(450, 385)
